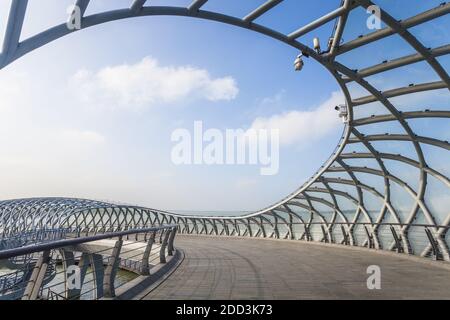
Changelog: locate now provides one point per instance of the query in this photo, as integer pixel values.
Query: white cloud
(302, 127)
(147, 83)
(245, 183)
(275, 100)
(82, 136)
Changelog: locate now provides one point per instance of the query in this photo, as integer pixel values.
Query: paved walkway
(228, 268)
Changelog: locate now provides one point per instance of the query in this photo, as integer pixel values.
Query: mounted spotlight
(316, 43)
(343, 112)
(298, 63)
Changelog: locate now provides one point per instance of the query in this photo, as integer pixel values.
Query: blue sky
(63, 141)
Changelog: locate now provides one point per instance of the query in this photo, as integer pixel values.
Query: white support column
(68, 260)
(145, 269)
(83, 264)
(37, 277)
(162, 252)
(100, 274)
(111, 270)
(170, 248)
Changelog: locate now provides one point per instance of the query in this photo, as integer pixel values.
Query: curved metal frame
(301, 207)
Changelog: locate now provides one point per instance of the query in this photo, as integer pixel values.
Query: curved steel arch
(22, 214)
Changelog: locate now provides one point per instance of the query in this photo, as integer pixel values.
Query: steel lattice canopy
(363, 172)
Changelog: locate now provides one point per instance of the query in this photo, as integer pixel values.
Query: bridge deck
(228, 268)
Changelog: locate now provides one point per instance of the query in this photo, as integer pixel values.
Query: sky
(91, 115)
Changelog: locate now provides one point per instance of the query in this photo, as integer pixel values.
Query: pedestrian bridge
(381, 199)
(204, 261)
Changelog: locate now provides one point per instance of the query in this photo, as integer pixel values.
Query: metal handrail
(6, 254)
(15, 283)
(352, 223)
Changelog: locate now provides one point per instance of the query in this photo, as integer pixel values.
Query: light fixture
(298, 63)
(316, 43)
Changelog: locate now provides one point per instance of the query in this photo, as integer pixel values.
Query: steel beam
(405, 115)
(196, 5)
(83, 5)
(403, 137)
(400, 62)
(402, 91)
(261, 10)
(412, 40)
(340, 28)
(317, 23)
(13, 30)
(137, 5)
(388, 31)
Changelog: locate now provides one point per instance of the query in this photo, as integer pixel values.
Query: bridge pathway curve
(235, 268)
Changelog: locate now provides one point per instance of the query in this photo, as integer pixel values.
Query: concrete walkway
(229, 268)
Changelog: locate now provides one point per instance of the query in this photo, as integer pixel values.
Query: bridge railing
(85, 266)
(425, 240)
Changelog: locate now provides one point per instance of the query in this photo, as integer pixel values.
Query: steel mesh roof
(384, 169)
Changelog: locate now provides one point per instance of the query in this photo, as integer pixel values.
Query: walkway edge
(438, 264)
(140, 287)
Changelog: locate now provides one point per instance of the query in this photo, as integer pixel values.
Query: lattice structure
(18, 217)
(354, 198)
